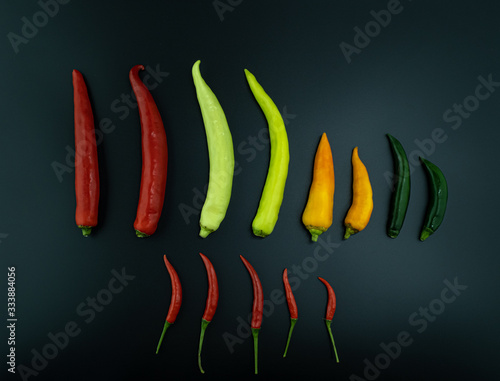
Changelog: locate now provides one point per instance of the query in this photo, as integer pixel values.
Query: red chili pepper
(292, 308)
(257, 309)
(211, 305)
(175, 300)
(154, 158)
(330, 311)
(86, 167)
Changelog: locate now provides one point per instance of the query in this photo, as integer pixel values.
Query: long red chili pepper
(211, 304)
(257, 309)
(292, 308)
(175, 300)
(330, 311)
(154, 158)
(86, 167)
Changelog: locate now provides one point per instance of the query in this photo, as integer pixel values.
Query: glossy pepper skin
(257, 309)
(292, 308)
(401, 193)
(175, 300)
(318, 214)
(211, 304)
(221, 153)
(154, 158)
(438, 199)
(361, 208)
(274, 187)
(330, 311)
(86, 165)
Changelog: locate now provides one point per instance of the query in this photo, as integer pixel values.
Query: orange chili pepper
(318, 214)
(360, 211)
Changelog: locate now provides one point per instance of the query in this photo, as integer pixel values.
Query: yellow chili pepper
(362, 198)
(318, 214)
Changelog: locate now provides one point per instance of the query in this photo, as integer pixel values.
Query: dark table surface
(426, 72)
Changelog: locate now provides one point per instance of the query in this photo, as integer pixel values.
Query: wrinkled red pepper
(86, 165)
(154, 158)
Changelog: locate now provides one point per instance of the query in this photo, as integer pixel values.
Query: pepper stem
(86, 230)
(259, 233)
(328, 327)
(141, 234)
(425, 234)
(204, 231)
(392, 233)
(204, 324)
(349, 231)
(315, 233)
(292, 324)
(167, 324)
(255, 334)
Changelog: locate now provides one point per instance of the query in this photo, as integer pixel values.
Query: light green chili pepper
(221, 154)
(272, 195)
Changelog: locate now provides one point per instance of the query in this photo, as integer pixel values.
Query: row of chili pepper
(257, 308)
(317, 216)
(154, 158)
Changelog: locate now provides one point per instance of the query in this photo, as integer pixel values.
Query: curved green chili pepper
(221, 153)
(401, 192)
(438, 193)
(272, 195)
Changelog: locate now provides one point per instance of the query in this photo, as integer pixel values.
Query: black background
(428, 58)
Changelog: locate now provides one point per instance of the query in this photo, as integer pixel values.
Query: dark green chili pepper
(438, 198)
(401, 190)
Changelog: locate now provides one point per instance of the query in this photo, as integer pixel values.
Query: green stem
(315, 233)
(292, 324)
(86, 230)
(259, 233)
(204, 232)
(328, 327)
(426, 232)
(349, 231)
(141, 234)
(167, 324)
(204, 324)
(392, 233)
(255, 334)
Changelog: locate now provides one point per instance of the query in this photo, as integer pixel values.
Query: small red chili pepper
(86, 166)
(154, 159)
(257, 309)
(175, 300)
(292, 308)
(211, 304)
(330, 311)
